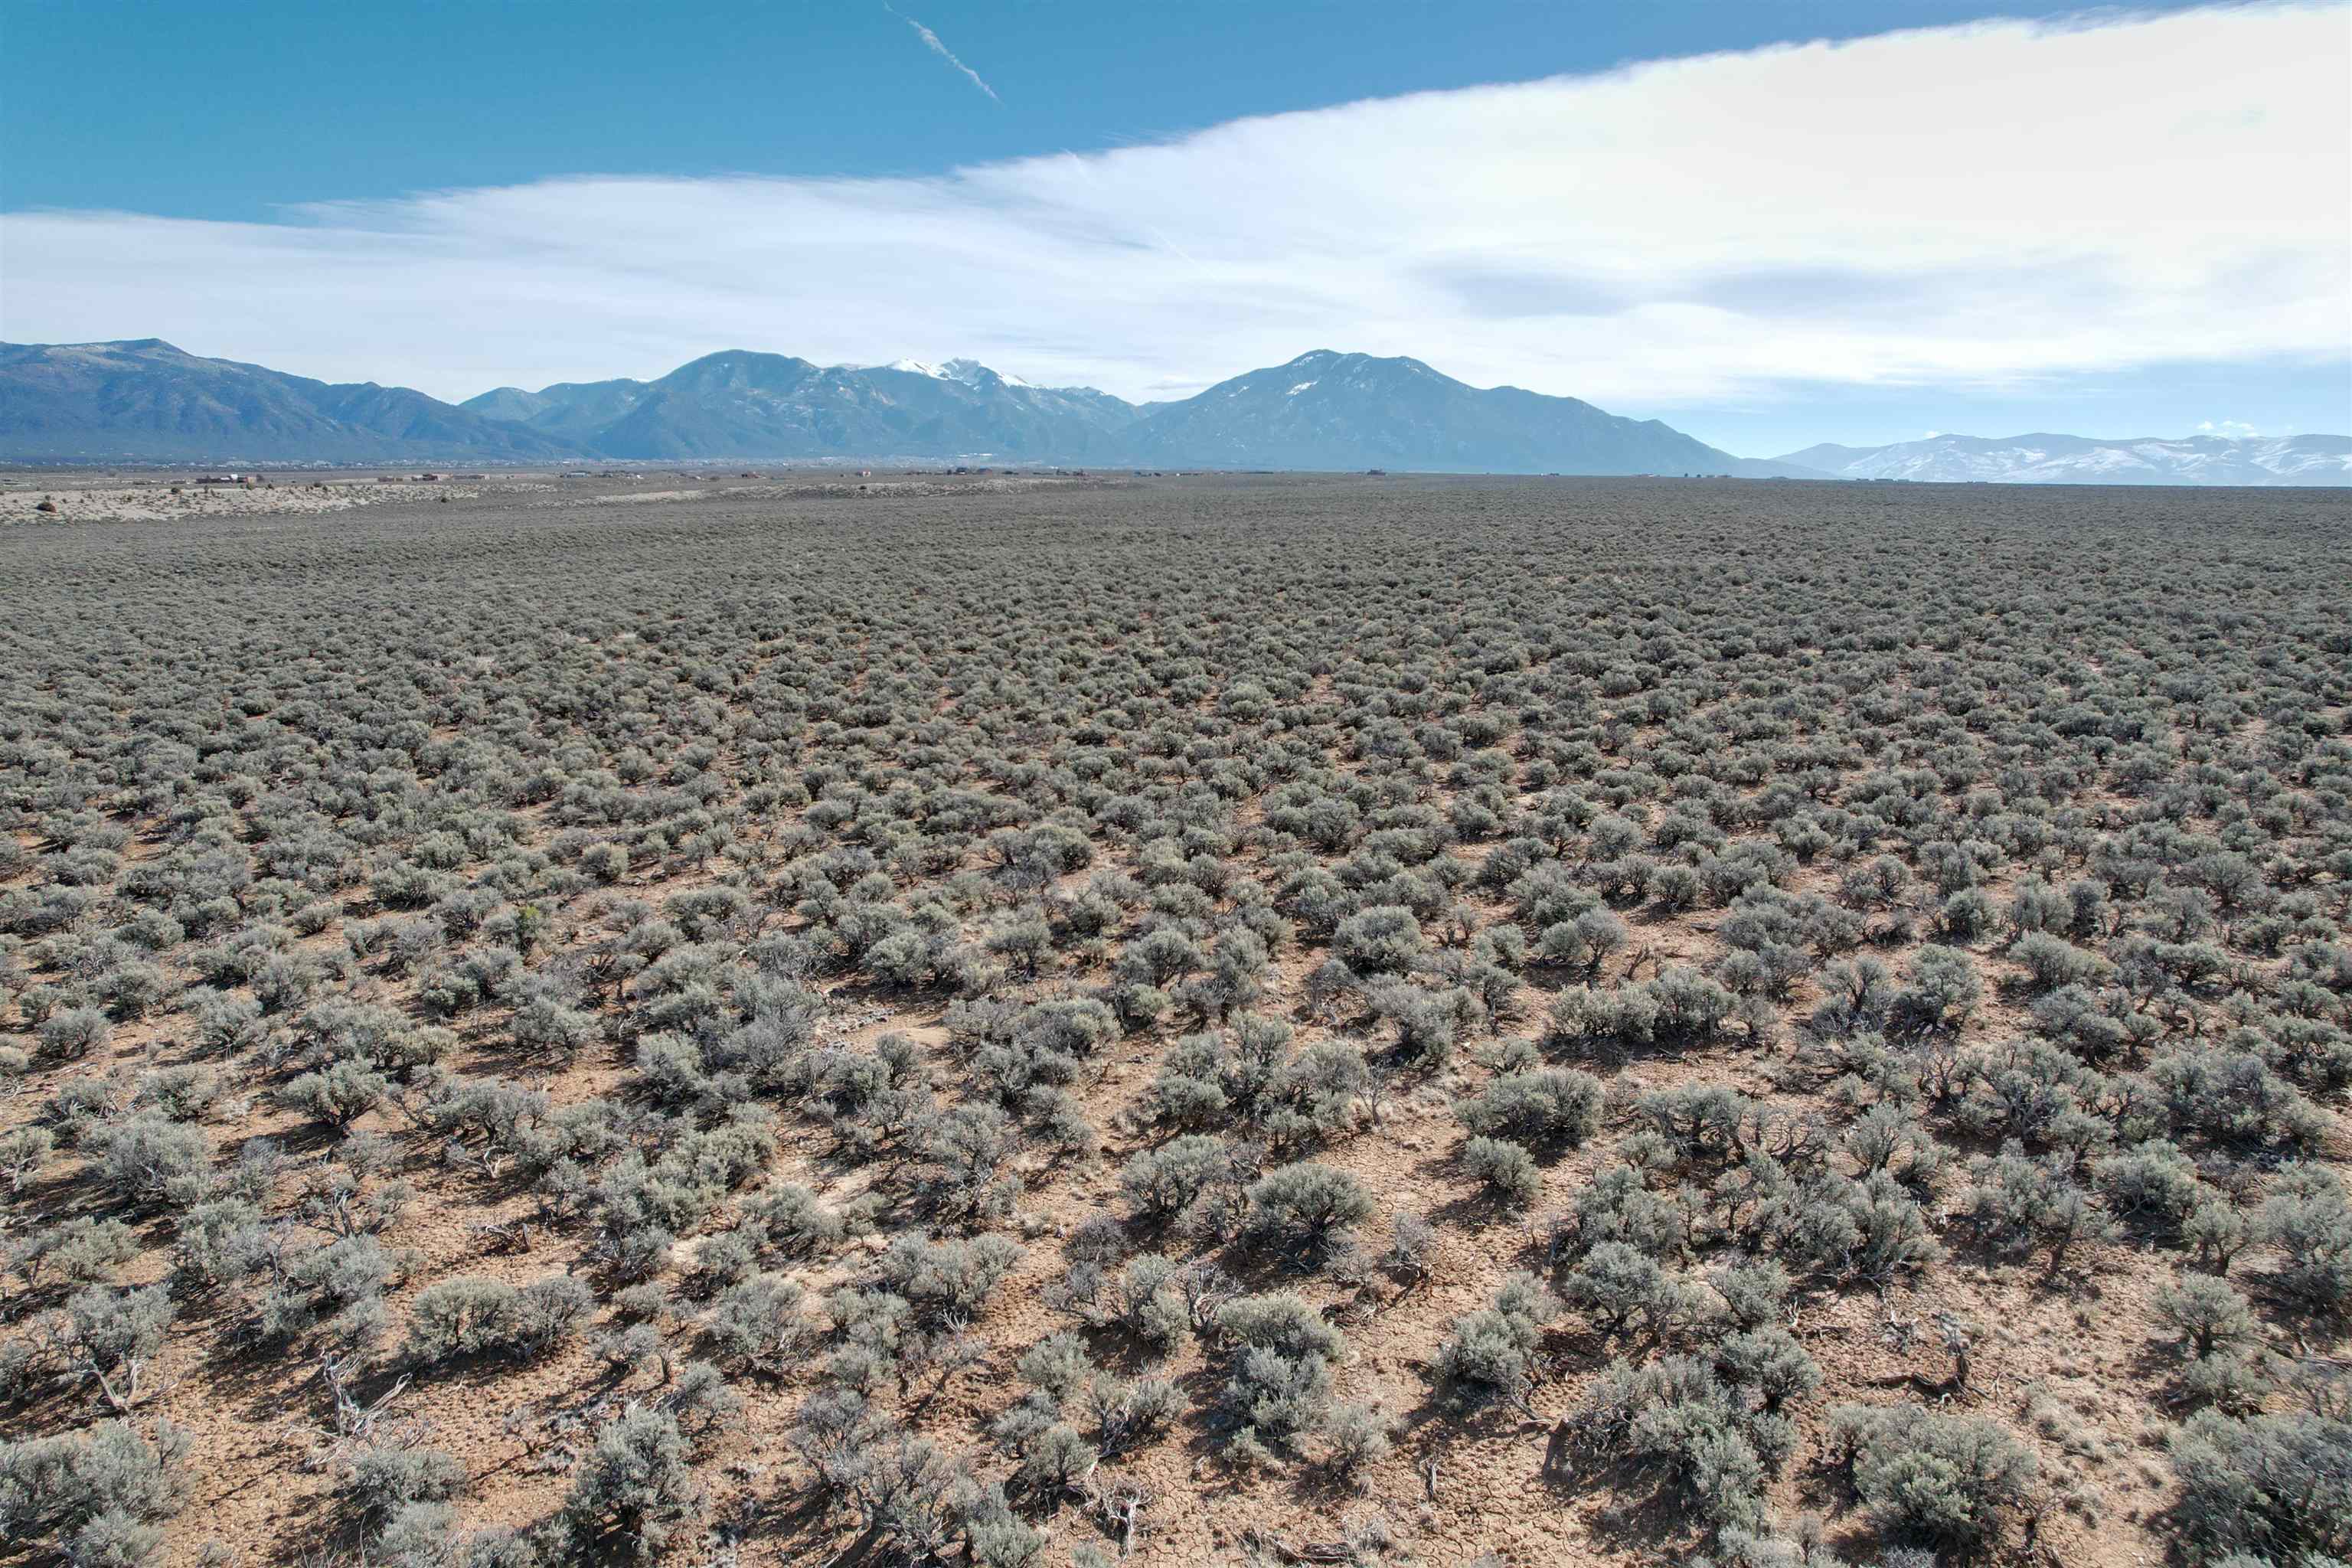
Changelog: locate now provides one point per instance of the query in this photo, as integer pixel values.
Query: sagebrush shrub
(467, 1317)
(1950, 1478)
(1547, 1108)
(1307, 1205)
(74, 1493)
(2276, 1488)
(633, 1487)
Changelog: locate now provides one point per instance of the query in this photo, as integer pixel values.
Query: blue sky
(227, 111)
(453, 195)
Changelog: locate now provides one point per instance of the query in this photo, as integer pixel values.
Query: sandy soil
(179, 500)
(70, 498)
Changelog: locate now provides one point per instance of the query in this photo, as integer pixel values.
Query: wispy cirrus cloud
(1996, 202)
(932, 39)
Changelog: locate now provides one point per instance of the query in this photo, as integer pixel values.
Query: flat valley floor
(1210, 1019)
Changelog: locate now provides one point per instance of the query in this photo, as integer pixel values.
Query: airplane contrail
(941, 50)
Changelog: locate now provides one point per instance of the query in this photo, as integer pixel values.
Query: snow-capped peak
(969, 372)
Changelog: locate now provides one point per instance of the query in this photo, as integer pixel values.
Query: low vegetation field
(1245, 1020)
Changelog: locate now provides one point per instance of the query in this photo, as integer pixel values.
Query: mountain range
(2045, 458)
(744, 405)
(144, 400)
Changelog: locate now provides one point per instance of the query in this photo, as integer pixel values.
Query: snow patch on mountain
(2044, 458)
(969, 372)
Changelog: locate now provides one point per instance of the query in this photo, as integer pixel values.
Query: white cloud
(2232, 429)
(1970, 206)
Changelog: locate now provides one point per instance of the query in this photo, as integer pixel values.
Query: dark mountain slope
(146, 399)
(1328, 410)
(573, 411)
(743, 403)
